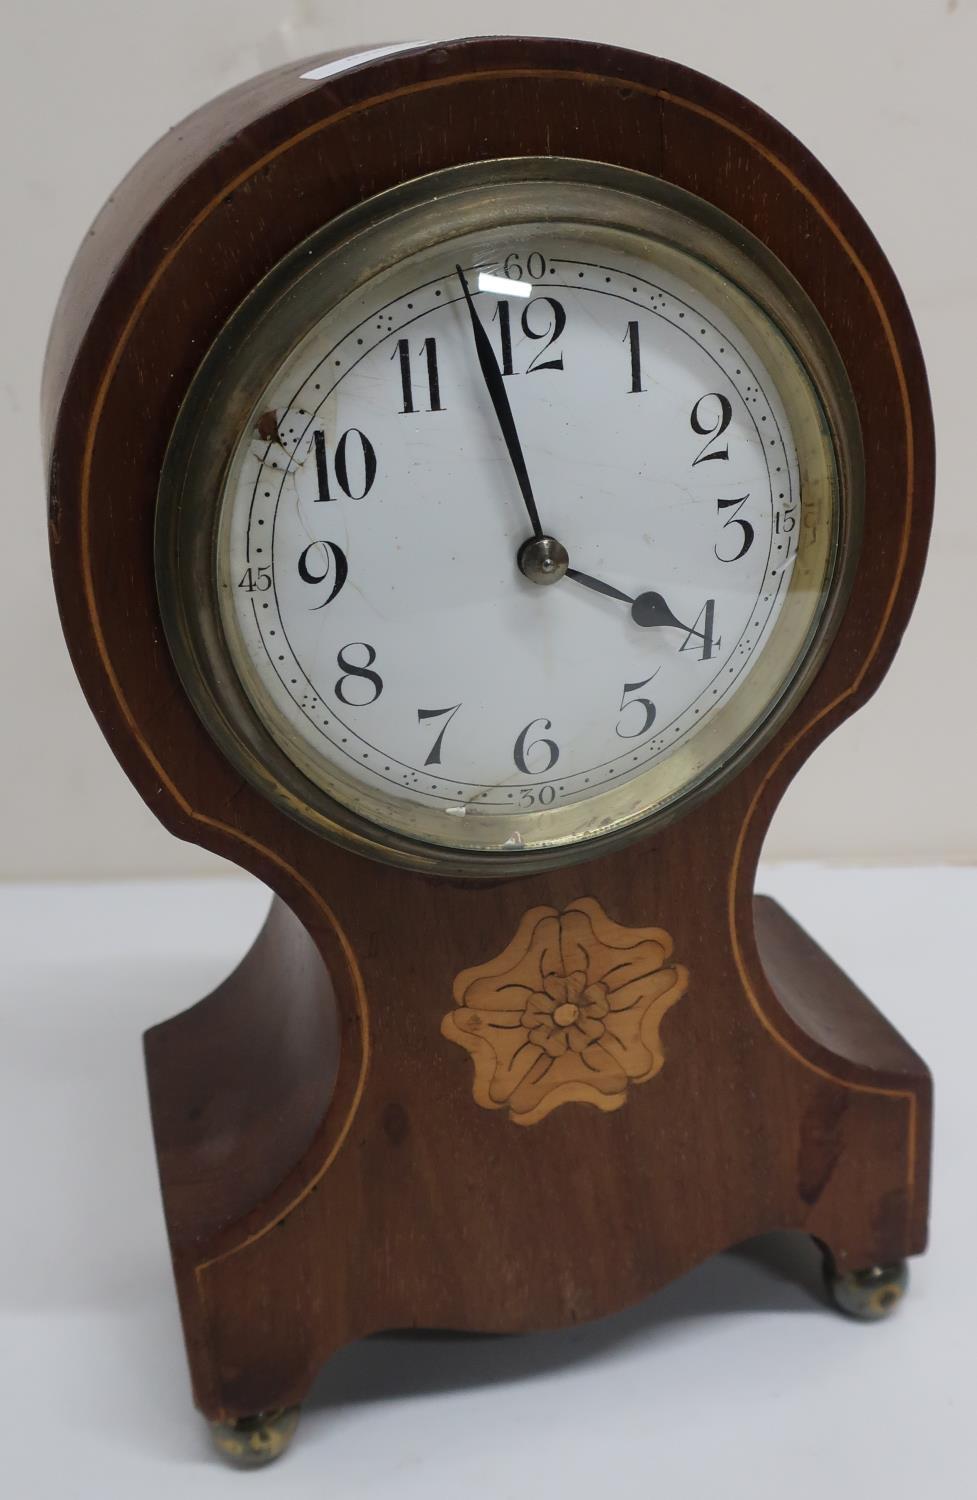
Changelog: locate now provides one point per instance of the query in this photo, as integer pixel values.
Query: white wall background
(883, 91)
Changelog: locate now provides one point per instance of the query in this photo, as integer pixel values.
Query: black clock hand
(597, 586)
(495, 385)
(651, 609)
(648, 609)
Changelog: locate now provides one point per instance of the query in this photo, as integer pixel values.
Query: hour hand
(598, 586)
(647, 609)
(651, 609)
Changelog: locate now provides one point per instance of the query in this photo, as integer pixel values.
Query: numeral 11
(402, 352)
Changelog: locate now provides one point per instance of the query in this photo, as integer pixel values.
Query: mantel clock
(480, 475)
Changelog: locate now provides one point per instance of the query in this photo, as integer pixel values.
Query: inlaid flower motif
(570, 1012)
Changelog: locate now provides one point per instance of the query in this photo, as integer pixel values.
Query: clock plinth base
(288, 1245)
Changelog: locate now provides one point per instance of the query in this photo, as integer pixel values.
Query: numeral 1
(633, 338)
(430, 351)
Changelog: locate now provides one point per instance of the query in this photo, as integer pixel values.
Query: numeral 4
(709, 641)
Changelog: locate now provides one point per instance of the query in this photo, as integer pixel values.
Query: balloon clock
(480, 475)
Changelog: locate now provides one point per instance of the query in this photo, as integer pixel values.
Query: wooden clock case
(326, 1171)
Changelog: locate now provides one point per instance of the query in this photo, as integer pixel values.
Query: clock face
(526, 530)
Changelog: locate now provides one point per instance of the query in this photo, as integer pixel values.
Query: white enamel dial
(372, 516)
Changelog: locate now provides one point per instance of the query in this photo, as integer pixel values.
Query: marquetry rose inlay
(570, 1012)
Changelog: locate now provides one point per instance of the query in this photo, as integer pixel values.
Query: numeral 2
(713, 431)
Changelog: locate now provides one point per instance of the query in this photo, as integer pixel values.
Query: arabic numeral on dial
(434, 756)
(525, 747)
(429, 349)
(535, 266)
(502, 313)
(354, 465)
(704, 640)
(322, 562)
(552, 324)
(359, 673)
(633, 339)
(747, 532)
(256, 580)
(784, 522)
(710, 422)
(543, 796)
(648, 709)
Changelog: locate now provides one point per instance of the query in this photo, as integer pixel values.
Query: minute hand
(646, 610)
(495, 385)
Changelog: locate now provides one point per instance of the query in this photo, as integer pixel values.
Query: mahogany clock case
(326, 1170)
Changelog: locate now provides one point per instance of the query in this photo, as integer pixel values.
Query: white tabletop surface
(735, 1381)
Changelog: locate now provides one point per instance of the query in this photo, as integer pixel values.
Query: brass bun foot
(869, 1294)
(252, 1442)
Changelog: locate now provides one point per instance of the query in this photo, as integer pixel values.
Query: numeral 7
(434, 758)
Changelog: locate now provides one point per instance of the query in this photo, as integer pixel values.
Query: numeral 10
(341, 459)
